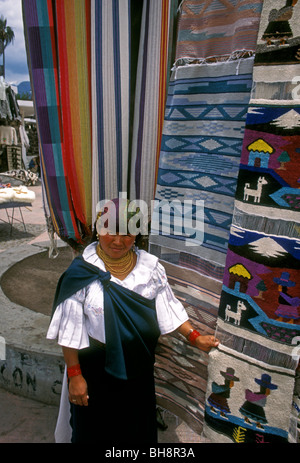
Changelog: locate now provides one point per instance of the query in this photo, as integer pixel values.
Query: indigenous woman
(110, 307)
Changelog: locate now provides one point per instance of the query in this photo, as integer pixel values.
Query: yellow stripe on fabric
(75, 32)
(69, 7)
(84, 104)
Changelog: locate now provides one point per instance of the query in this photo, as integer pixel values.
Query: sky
(16, 69)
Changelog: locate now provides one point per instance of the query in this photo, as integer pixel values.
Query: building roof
(240, 270)
(261, 145)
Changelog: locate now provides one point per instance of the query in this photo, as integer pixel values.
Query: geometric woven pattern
(180, 369)
(201, 148)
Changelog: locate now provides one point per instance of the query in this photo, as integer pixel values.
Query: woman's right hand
(78, 391)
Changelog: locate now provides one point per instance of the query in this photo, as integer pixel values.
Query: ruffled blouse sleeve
(68, 324)
(170, 311)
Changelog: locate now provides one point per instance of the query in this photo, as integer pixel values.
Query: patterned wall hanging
(200, 152)
(214, 30)
(202, 139)
(259, 312)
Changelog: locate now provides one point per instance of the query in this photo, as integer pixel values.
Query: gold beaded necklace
(121, 267)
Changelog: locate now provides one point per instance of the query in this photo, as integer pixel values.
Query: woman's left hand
(206, 343)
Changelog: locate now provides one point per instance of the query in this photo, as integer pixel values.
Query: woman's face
(116, 246)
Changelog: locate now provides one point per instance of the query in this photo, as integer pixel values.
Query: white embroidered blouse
(82, 315)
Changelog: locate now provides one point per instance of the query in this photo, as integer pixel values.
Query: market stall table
(10, 213)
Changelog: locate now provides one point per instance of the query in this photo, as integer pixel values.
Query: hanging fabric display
(42, 54)
(252, 374)
(153, 70)
(89, 79)
(202, 140)
(214, 31)
(200, 153)
(126, 121)
(110, 96)
(73, 58)
(9, 108)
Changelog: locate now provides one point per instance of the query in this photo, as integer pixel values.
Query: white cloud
(16, 69)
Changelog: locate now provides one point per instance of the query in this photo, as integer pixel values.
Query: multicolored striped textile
(61, 111)
(99, 72)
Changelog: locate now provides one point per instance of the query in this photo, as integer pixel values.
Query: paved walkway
(28, 421)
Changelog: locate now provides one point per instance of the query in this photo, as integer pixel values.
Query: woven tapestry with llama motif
(199, 161)
(259, 313)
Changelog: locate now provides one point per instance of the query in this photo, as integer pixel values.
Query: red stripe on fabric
(89, 52)
(51, 14)
(67, 148)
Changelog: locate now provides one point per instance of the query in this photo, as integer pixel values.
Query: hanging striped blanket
(99, 71)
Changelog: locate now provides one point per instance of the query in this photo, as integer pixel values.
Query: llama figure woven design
(259, 312)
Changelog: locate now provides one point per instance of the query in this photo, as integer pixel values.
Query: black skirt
(119, 411)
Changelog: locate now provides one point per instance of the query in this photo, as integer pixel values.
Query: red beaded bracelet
(192, 336)
(74, 370)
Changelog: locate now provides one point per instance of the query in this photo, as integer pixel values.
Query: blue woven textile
(200, 151)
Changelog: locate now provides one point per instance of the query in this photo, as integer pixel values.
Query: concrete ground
(24, 420)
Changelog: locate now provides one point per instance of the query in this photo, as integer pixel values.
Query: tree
(261, 288)
(7, 36)
(283, 158)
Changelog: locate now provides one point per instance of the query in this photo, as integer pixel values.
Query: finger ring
(74, 400)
